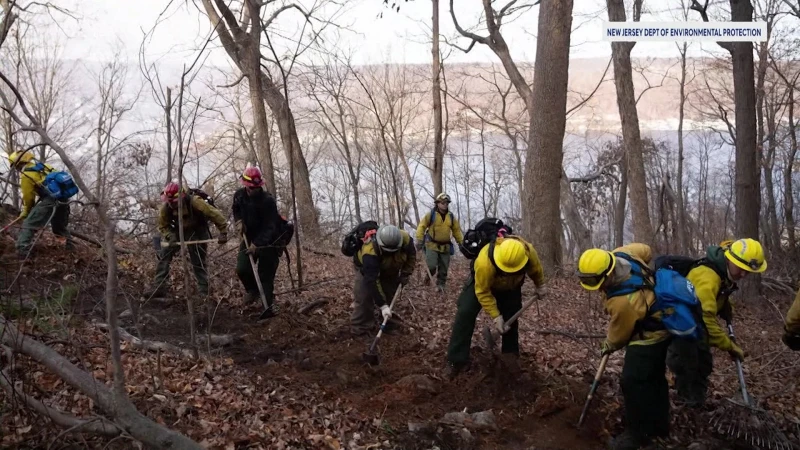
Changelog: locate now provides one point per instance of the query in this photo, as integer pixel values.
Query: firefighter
(435, 232)
(714, 281)
(256, 217)
(494, 285)
(644, 383)
(196, 214)
(383, 264)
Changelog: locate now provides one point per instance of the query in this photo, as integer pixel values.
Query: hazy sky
(397, 37)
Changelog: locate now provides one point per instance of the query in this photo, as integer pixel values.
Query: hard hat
(19, 158)
(510, 255)
(251, 177)
(594, 266)
(747, 254)
(443, 198)
(171, 192)
(389, 238)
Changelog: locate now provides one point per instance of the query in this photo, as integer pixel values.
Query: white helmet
(389, 238)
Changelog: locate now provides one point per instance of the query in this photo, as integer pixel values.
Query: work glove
(791, 340)
(726, 312)
(23, 215)
(541, 291)
(386, 312)
(606, 349)
(403, 280)
(252, 249)
(171, 239)
(223, 238)
(239, 227)
(736, 352)
(500, 324)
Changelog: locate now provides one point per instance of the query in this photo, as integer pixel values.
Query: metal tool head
(488, 337)
(373, 359)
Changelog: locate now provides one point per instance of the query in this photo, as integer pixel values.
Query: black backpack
(684, 264)
(485, 232)
(352, 241)
(284, 234)
(204, 195)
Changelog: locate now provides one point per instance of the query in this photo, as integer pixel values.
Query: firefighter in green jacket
(644, 382)
(384, 263)
(714, 281)
(791, 334)
(435, 231)
(196, 214)
(494, 285)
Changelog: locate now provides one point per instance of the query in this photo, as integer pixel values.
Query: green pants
(508, 302)
(692, 363)
(197, 256)
(267, 261)
(47, 210)
(438, 264)
(364, 317)
(645, 390)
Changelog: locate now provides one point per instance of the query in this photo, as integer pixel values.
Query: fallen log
(73, 424)
(117, 408)
(311, 306)
(149, 345)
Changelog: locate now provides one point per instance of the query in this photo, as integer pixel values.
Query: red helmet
(251, 177)
(171, 192)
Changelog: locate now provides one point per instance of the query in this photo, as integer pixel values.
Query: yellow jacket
(628, 310)
(489, 278)
(707, 285)
(197, 215)
(793, 316)
(377, 266)
(439, 231)
(30, 182)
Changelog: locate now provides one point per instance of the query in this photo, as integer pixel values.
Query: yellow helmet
(443, 198)
(747, 254)
(510, 255)
(594, 267)
(19, 158)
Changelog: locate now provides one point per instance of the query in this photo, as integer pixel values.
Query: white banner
(685, 31)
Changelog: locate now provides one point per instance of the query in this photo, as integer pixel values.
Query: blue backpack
(675, 297)
(57, 183)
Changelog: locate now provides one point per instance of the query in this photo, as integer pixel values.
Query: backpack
(285, 233)
(485, 232)
(675, 296)
(204, 195)
(352, 241)
(57, 183)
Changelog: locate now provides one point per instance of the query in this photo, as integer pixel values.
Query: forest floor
(297, 381)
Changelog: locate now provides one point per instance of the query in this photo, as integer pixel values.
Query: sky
(396, 37)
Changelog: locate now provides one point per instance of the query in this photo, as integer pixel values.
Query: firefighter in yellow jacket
(435, 231)
(383, 264)
(494, 285)
(791, 335)
(36, 215)
(714, 279)
(644, 383)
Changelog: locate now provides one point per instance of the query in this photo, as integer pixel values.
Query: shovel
(371, 357)
(488, 334)
(596, 382)
(258, 280)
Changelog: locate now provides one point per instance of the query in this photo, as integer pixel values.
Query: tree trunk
(619, 210)
(262, 144)
(626, 101)
(788, 196)
(543, 166)
(169, 135)
(438, 147)
(769, 185)
(580, 234)
(747, 181)
(683, 243)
